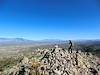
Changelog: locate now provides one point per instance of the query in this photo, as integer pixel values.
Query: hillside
(56, 61)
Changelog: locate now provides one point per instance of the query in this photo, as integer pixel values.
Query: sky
(50, 19)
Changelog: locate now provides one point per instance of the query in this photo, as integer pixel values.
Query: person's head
(69, 40)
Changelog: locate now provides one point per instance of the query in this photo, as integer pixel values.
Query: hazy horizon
(45, 39)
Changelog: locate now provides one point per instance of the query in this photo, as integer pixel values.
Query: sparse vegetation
(13, 55)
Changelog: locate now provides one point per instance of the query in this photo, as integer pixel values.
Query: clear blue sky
(50, 19)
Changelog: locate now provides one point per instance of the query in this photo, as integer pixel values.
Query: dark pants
(70, 50)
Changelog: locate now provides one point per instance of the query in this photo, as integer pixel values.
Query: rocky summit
(57, 61)
(61, 62)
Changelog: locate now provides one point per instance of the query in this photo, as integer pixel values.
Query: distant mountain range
(22, 41)
(88, 42)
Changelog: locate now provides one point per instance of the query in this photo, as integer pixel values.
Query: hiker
(70, 47)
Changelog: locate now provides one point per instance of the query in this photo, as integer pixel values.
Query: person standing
(70, 46)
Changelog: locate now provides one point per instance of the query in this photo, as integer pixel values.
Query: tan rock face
(25, 60)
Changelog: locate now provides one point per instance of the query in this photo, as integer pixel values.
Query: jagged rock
(25, 60)
(62, 62)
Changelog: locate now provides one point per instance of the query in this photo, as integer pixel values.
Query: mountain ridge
(22, 41)
(16, 41)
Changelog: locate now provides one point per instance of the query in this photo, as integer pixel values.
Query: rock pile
(61, 62)
(58, 61)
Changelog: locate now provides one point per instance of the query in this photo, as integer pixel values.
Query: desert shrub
(8, 62)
